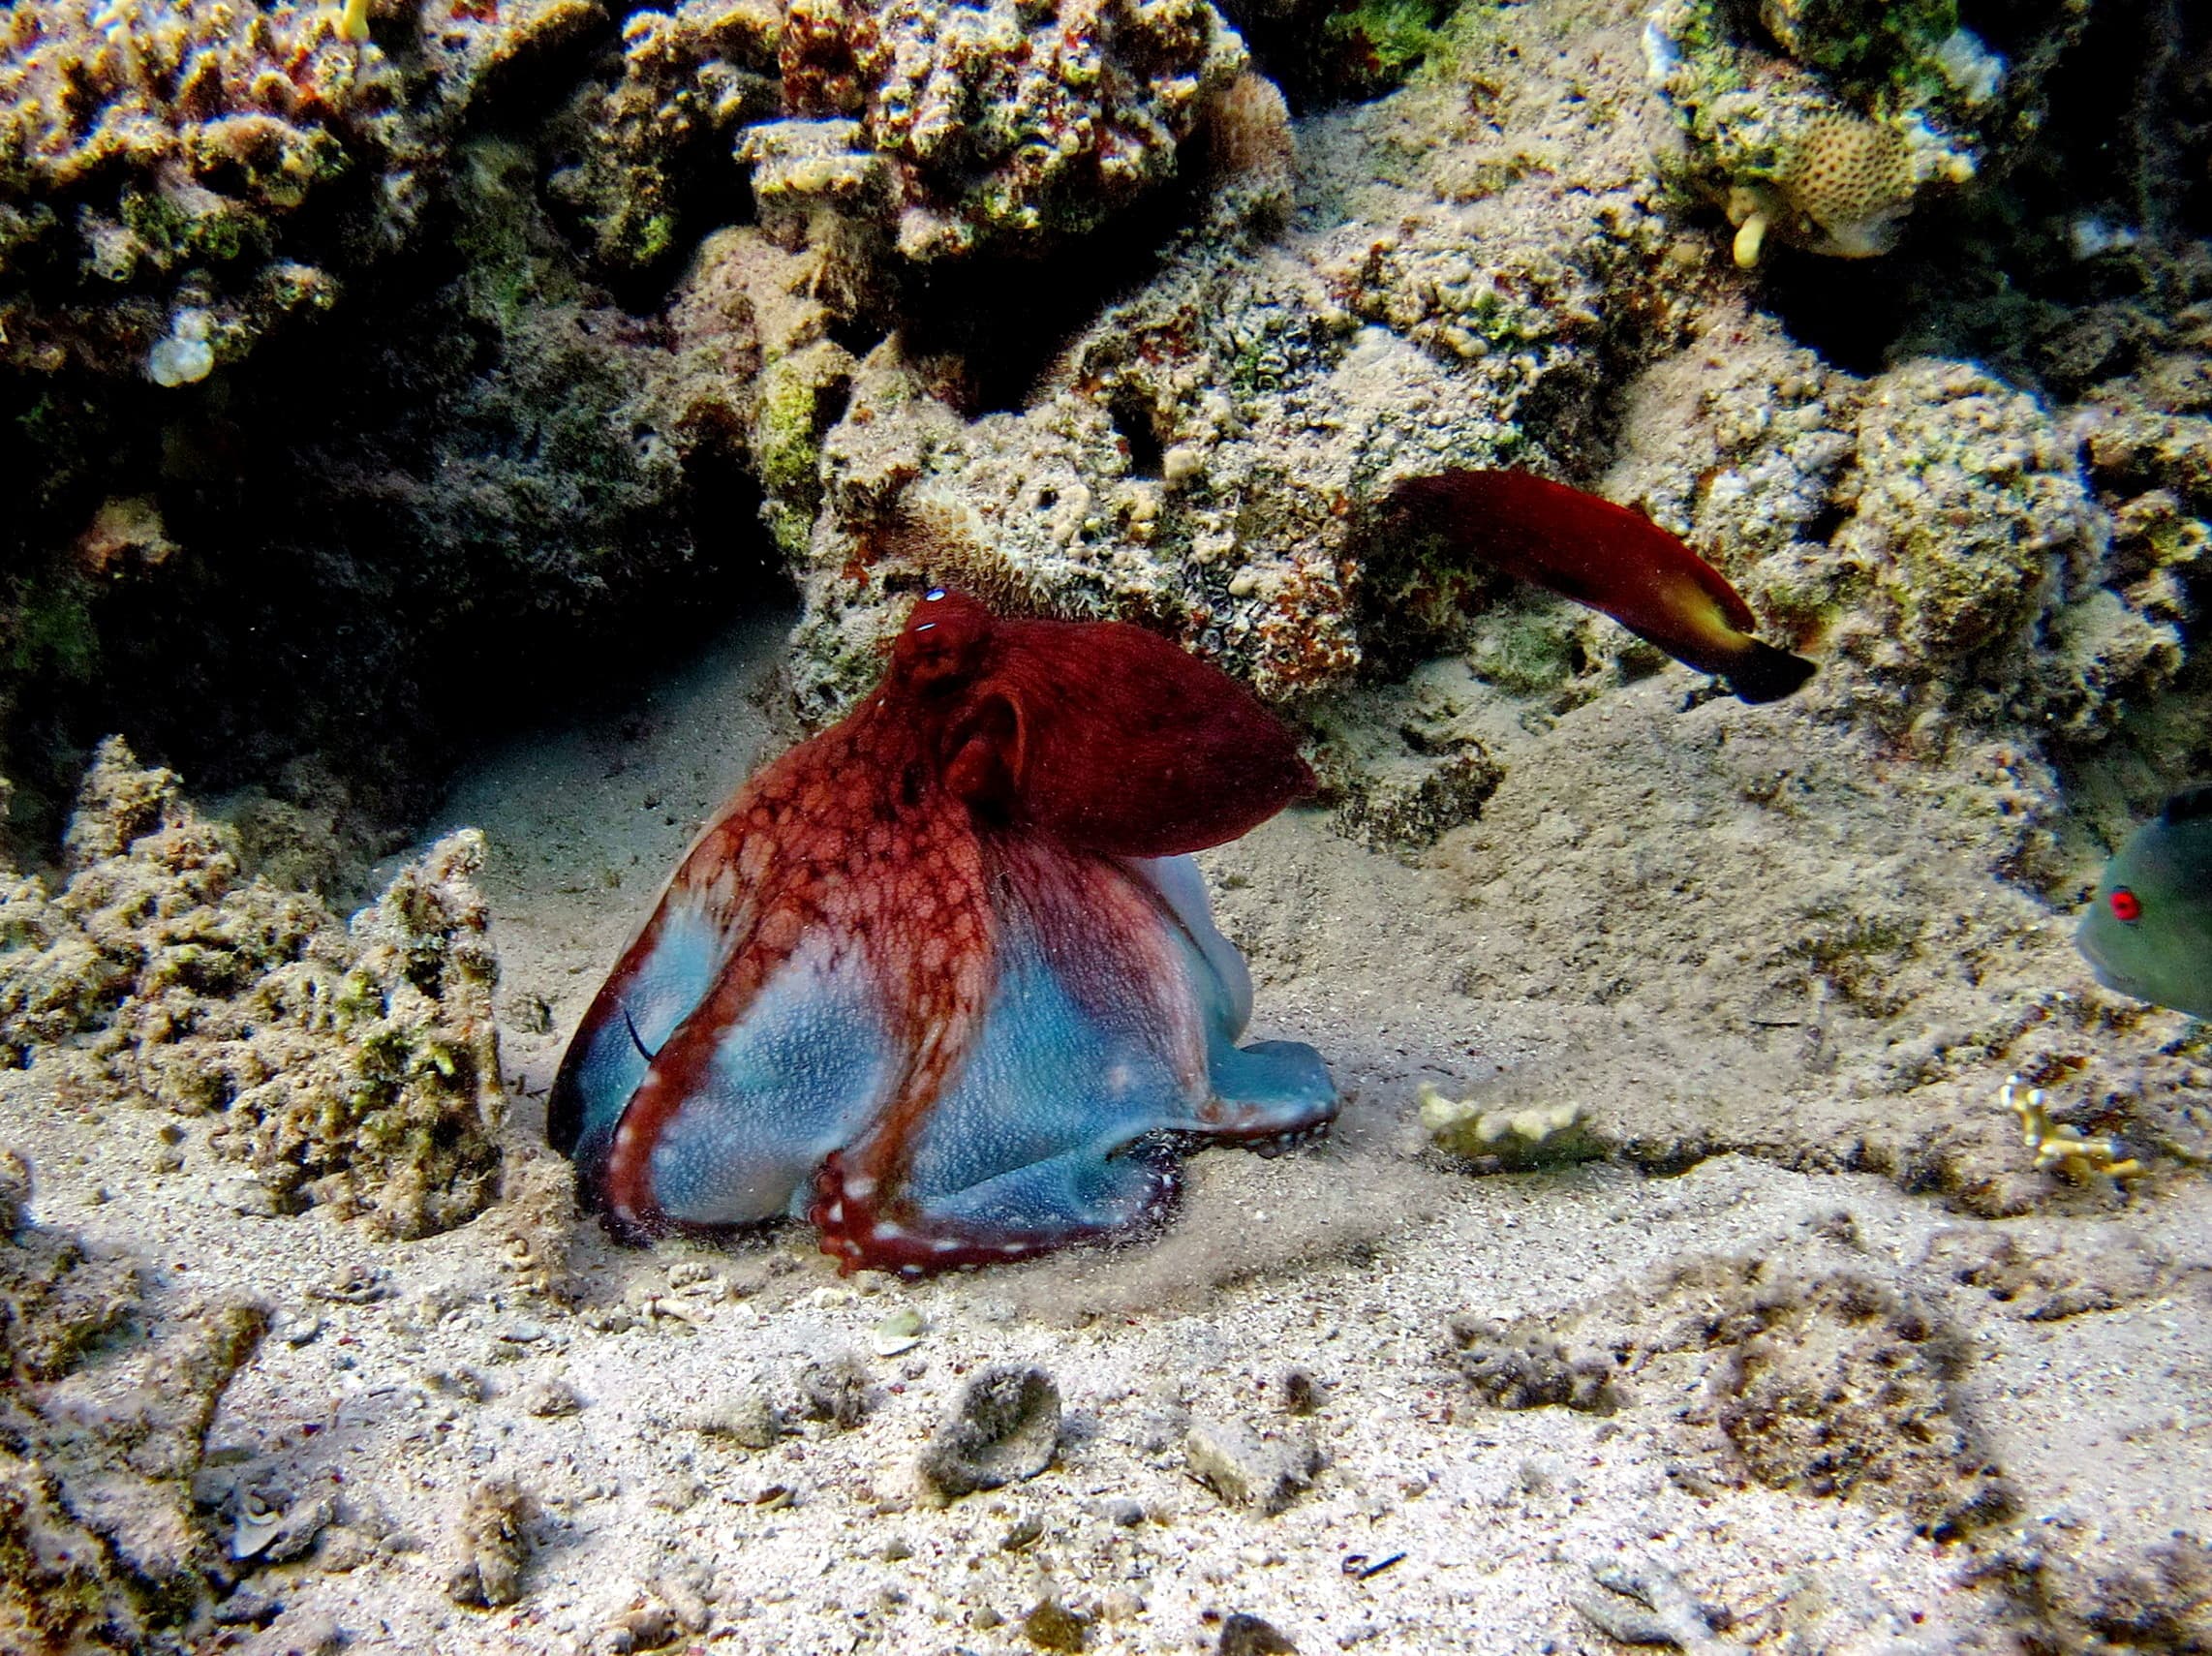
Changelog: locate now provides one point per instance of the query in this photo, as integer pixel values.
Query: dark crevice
(1010, 317)
(1327, 53)
(1131, 413)
(1821, 527)
(1850, 311)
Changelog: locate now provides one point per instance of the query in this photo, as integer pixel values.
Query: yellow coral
(1844, 192)
(2062, 1148)
(1516, 1138)
(354, 21)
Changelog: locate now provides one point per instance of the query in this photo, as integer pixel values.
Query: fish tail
(1766, 673)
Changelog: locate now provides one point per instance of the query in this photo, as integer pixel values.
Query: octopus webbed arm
(701, 921)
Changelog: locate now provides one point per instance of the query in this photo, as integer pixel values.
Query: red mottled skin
(1609, 558)
(987, 738)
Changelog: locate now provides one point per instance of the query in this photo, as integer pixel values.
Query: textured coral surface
(356, 1067)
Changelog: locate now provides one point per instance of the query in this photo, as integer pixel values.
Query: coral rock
(360, 1068)
(1009, 126)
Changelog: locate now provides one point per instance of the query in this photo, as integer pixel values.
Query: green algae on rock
(356, 1067)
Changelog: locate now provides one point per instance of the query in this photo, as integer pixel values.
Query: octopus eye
(933, 595)
(2127, 908)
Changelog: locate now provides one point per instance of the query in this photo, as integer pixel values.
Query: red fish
(1609, 558)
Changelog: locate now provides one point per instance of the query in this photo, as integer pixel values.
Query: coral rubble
(354, 1067)
(1830, 1383)
(104, 1404)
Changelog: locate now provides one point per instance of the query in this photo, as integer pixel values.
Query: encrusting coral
(691, 76)
(1823, 121)
(354, 1067)
(1008, 125)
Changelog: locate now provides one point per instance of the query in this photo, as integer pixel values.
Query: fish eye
(2127, 908)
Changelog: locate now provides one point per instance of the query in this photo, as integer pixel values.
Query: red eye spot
(2125, 908)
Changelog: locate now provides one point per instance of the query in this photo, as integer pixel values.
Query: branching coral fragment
(2061, 1148)
(1516, 1139)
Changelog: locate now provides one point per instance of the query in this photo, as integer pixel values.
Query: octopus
(943, 980)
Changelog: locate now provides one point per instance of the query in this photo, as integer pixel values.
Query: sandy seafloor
(1345, 1260)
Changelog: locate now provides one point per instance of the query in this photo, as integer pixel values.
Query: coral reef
(1202, 451)
(1823, 121)
(1972, 572)
(177, 176)
(358, 1067)
(104, 1410)
(1005, 126)
(635, 156)
(1932, 526)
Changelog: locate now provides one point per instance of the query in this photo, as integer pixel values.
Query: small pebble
(747, 1420)
(299, 1634)
(355, 1285)
(242, 1193)
(1248, 1636)
(551, 1398)
(490, 1543)
(1259, 1473)
(1052, 1626)
(647, 1627)
(901, 1330)
(1004, 1429)
(246, 1609)
(834, 1389)
(272, 1535)
(463, 1385)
